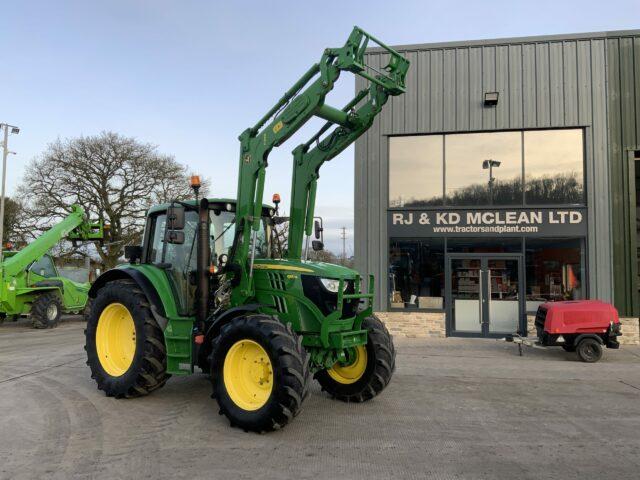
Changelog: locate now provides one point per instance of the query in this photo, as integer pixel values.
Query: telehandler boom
(29, 281)
(204, 289)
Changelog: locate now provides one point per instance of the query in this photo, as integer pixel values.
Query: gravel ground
(456, 408)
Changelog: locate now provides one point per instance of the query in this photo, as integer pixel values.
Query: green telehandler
(30, 283)
(204, 289)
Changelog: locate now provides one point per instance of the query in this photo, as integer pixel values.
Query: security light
(15, 130)
(490, 163)
(491, 99)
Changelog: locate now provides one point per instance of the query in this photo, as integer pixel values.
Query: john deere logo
(278, 126)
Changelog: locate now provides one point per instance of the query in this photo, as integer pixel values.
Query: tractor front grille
(327, 301)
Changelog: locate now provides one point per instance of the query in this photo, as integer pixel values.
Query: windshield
(223, 228)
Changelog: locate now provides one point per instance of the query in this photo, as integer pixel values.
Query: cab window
(223, 229)
(44, 267)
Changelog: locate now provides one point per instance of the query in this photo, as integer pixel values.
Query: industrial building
(506, 176)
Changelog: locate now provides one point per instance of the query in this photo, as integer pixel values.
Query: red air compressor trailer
(581, 326)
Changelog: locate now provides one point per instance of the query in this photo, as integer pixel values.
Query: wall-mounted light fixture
(491, 99)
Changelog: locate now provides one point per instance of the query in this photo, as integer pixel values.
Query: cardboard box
(431, 302)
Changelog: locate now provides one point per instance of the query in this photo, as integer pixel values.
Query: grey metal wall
(623, 108)
(544, 82)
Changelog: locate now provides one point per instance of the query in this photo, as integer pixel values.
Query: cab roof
(222, 202)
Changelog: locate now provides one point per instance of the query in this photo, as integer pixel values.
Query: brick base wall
(432, 324)
(414, 324)
(630, 331)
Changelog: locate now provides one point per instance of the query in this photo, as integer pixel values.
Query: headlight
(333, 284)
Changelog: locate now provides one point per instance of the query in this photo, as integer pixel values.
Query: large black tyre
(589, 350)
(148, 363)
(286, 369)
(87, 309)
(378, 370)
(46, 310)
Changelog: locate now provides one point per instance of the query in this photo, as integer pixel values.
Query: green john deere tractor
(205, 290)
(30, 283)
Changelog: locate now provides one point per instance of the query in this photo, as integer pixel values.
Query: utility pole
(5, 154)
(343, 236)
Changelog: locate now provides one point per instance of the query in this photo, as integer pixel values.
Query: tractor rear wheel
(260, 373)
(368, 368)
(125, 346)
(46, 310)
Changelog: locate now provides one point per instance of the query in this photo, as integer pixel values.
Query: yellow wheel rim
(248, 375)
(116, 339)
(352, 371)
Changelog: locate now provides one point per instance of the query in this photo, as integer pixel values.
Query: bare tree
(114, 178)
(280, 238)
(13, 211)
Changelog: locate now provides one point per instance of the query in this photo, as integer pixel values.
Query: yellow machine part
(354, 370)
(248, 375)
(116, 339)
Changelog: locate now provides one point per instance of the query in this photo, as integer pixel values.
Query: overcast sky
(190, 76)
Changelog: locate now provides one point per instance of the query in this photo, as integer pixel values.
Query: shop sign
(540, 222)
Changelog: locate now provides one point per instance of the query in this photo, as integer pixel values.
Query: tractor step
(177, 338)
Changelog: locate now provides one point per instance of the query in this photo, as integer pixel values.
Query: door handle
(480, 297)
(489, 295)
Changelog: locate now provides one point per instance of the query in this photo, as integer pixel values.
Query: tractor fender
(157, 308)
(579, 338)
(214, 328)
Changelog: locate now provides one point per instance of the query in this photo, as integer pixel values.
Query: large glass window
(415, 171)
(484, 168)
(416, 273)
(554, 270)
(554, 162)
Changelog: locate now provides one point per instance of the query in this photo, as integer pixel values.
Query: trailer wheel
(125, 346)
(368, 369)
(260, 373)
(589, 350)
(46, 311)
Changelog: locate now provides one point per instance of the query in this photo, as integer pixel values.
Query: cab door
(178, 260)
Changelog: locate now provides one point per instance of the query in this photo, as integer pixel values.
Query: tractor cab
(170, 243)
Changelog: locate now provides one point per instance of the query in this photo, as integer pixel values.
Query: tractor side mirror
(175, 218)
(317, 245)
(317, 229)
(133, 253)
(175, 237)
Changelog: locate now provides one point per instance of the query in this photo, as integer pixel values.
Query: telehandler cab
(203, 289)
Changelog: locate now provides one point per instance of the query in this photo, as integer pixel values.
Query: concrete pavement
(455, 409)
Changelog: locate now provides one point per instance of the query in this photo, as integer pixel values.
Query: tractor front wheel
(260, 373)
(125, 346)
(367, 370)
(46, 311)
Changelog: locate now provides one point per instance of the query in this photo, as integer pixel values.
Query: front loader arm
(307, 162)
(301, 102)
(73, 226)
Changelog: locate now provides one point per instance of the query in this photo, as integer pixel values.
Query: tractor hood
(320, 269)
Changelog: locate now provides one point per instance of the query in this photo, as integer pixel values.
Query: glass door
(465, 295)
(484, 295)
(503, 315)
